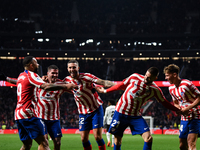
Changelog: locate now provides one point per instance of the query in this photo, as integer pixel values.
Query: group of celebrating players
(37, 111)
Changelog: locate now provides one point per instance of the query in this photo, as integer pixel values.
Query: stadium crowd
(69, 19)
(118, 70)
(147, 18)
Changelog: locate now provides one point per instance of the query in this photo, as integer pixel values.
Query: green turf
(73, 142)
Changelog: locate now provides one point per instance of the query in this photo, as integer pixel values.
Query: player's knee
(45, 143)
(27, 146)
(57, 143)
(183, 146)
(149, 139)
(97, 137)
(191, 144)
(84, 139)
(118, 140)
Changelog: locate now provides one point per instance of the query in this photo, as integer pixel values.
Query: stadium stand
(99, 26)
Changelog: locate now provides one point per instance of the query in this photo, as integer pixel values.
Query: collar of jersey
(26, 71)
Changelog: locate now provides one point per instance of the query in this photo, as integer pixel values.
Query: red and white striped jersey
(86, 98)
(185, 93)
(48, 103)
(26, 95)
(136, 94)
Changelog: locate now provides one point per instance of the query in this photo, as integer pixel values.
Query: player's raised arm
(168, 105)
(54, 87)
(119, 86)
(105, 83)
(160, 97)
(3, 77)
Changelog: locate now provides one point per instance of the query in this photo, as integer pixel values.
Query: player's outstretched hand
(71, 86)
(99, 89)
(3, 76)
(185, 111)
(45, 78)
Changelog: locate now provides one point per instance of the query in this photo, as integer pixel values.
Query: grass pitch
(73, 142)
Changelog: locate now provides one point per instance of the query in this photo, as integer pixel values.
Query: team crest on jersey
(182, 93)
(48, 95)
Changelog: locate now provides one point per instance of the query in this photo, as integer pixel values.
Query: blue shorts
(30, 128)
(52, 127)
(120, 122)
(187, 127)
(92, 120)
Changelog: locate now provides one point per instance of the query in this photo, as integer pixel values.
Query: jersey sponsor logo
(21, 78)
(132, 94)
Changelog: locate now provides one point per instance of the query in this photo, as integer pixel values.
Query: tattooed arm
(105, 83)
(54, 87)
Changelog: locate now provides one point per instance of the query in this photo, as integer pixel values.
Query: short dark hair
(172, 68)
(27, 60)
(52, 67)
(153, 71)
(73, 61)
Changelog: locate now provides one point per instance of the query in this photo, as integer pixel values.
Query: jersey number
(81, 120)
(19, 91)
(114, 123)
(181, 128)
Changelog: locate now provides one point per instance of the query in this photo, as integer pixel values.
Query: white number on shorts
(19, 91)
(114, 123)
(181, 127)
(81, 120)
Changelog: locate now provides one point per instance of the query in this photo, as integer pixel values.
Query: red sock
(103, 147)
(88, 148)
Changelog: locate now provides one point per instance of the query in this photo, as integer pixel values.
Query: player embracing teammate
(186, 96)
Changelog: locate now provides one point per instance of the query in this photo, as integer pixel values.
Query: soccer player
(185, 95)
(89, 104)
(48, 107)
(29, 125)
(138, 89)
(107, 120)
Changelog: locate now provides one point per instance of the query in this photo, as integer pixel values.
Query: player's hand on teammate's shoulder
(185, 111)
(99, 89)
(71, 86)
(45, 78)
